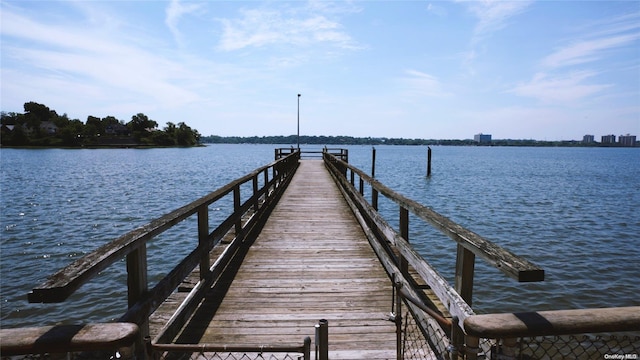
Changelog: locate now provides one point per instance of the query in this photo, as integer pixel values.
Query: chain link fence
(421, 336)
(174, 355)
(212, 352)
(579, 347)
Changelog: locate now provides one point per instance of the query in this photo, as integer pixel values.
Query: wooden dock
(311, 261)
(302, 246)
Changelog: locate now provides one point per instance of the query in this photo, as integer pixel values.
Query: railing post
(255, 193)
(361, 186)
(322, 340)
(509, 349)
(404, 232)
(203, 239)
(398, 319)
(374, 198)
(236, 209)
(137, 288)
(465, 264)
(472, 347)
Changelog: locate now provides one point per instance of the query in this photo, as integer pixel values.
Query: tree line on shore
(41, 126)
(350, 140)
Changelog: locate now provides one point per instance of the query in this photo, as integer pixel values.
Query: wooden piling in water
(428, 161)
(373, 162)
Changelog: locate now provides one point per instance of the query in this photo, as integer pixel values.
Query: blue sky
(553, 70)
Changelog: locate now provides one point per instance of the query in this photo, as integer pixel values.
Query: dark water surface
(572, 211)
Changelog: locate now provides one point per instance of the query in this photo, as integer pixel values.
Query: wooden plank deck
(311, 261)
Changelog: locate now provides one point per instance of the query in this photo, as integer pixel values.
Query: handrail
(515, 266)
(142, 301)
(456, 299)
(67, 338)
(554, 322)
(380, 232)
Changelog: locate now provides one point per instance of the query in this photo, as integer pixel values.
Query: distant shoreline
(349, 140)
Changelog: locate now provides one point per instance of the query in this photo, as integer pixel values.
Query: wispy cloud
(567, 74)
(263, 27)
(72, 54)
(494, 15)
(418, 83)
(174, 12)
(560, 89)
(594, 43)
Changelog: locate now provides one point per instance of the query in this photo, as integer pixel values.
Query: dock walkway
(311, 261)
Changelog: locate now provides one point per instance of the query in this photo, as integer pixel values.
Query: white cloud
(174, 12)
(421, 84)
(596, 40)
(261, 27)
(560, 89)
(493, 15)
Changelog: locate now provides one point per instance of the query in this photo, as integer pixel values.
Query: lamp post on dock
(298, 122)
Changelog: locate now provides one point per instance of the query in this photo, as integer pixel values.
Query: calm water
(572, 211)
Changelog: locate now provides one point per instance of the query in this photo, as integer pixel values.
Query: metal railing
(157, 351)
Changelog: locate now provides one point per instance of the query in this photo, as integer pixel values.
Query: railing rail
(400, 254)
(465, 334)
(506, 328)
(110, 337)
(142, 301)
(342, 154)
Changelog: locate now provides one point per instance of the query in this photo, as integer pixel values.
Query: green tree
(185, 136)
(140, 125)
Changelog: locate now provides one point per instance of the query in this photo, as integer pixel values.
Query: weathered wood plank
(311, 261)
(67, 338)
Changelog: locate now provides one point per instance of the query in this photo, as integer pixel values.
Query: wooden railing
(397, 254)
(468, 331)
(342, 154)
(267, 182)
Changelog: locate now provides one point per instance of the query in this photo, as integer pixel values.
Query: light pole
(298, 122)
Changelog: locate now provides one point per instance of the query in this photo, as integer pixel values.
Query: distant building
(627, 140)
(588, 139)
(482, 138)
(608, 139)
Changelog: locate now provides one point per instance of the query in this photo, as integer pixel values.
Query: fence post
(203, 239)
(322, 340)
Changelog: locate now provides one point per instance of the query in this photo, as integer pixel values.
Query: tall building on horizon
(588, 139)
(482, 138)
(627, 140)
(608, 139)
